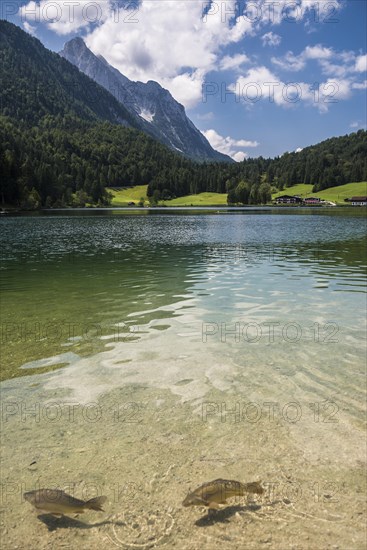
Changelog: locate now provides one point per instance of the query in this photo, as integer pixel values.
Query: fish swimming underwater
(58, 503)
(216, 492)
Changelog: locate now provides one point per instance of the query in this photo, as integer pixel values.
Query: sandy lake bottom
(95, 427)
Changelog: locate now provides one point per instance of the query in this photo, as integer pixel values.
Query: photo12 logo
(55, 412)
(271, 12)
(269, 332)
(271, 91)
(54, 332)
(71, 12)
(269, 411)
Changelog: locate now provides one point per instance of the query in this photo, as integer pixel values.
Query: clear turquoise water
(252, 291)
(76, 282)
(214, 345)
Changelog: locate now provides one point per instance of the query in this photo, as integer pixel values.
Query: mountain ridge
(64, 138)
(160, 114)
(60, 90)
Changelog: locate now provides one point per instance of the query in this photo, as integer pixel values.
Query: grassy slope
(335, 194)
(202, 199)
(133, 194)
(129, 194)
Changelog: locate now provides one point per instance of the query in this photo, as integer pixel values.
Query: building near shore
(288, 199)
(358, 201)
(312, 200)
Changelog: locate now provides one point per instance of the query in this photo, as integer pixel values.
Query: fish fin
(214, 506)
(95, 503)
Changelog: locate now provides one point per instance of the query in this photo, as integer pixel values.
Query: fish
(59, 503)
(214, 493)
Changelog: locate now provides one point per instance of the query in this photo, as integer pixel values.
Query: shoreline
(213, 207)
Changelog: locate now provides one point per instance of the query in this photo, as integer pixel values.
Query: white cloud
(360, 85)
(186, 87)
(341, 64)
(271, 39)
(361, 64)
(257, 84)
(29, 29)
(337, 71)
(239, 156)
(260, 84)
(340, 89)
(64, 17)
(233, 62)
(333, 64)
(173, 43)
(289, 62)
(292, 62)
(228, 145)
(317, 52)
(299, 149)
(292, 11)
(354, 125)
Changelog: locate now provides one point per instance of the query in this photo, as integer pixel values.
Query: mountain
(42, 83)
(64, 138)
(333, 162)
(160, 114)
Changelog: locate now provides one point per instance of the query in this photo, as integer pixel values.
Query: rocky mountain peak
(159, 114)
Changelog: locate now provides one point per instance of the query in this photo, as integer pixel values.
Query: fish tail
(254, 487)
(95, 503)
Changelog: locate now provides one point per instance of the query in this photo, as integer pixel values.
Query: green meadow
(123, 196)
(202, 199)
(334, 194)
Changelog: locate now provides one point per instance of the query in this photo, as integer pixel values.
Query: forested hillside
(61, 146)
(69, 162)
(64, 138)
(333, 162)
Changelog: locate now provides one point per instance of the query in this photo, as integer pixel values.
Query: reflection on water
(76, 284)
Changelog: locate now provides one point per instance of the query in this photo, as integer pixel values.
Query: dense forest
(70, 162)
(61, 146)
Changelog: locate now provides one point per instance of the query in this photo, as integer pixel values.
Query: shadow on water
(64, 522)
(222, 516)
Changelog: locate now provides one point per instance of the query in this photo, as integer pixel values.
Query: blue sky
(257, 77)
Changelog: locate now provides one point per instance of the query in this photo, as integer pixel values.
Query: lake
(145, 352)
